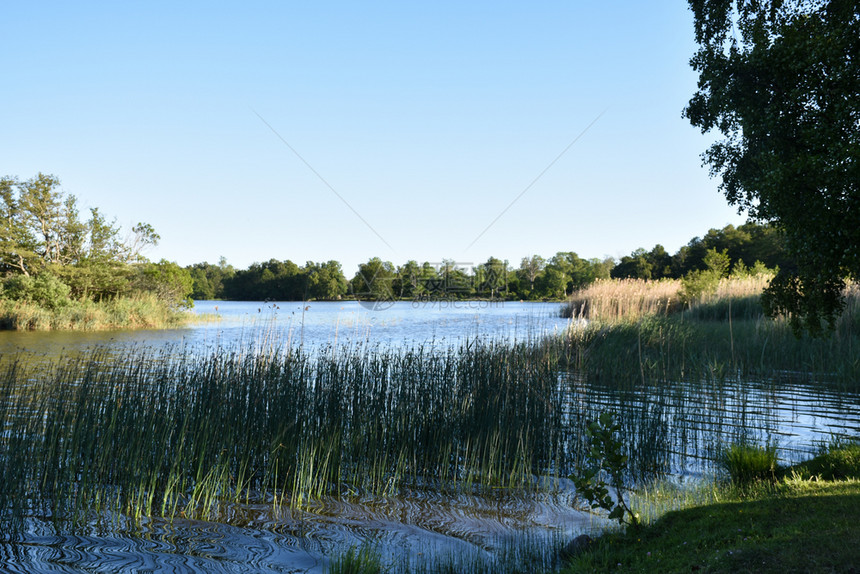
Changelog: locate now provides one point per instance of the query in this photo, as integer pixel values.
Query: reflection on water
(406, 529)
(678, 427)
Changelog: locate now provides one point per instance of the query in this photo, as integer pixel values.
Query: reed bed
(140, 311)
(614, 300)
(677, 348)
(624, 299)
(181, 435)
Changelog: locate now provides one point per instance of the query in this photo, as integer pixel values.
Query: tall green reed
(176, 434)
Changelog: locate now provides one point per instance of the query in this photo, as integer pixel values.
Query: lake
(316, 324)
(678, 423)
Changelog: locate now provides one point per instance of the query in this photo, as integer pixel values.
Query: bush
(45, 290)
(605, 458)
(49, 292)
(167, 280)
(18, 288)
(704, 282)
(697, 284)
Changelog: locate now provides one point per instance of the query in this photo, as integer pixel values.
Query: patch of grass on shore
(141, 311)
(793, 525)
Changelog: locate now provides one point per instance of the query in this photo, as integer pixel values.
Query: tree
(633, 266)
(17, 243)
(552, 283)
(530, 268)
(170, 282)
(41, 209)
(781, 82)
(493, 277)
(325, 281)
(408, 279)
(143, 236)
(374, 281)
(660, 261)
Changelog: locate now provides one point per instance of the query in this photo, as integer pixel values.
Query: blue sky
(428, 120)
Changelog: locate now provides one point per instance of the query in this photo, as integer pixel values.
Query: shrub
(698, 283)
(18, 288)
(49, 292)
(605, 458)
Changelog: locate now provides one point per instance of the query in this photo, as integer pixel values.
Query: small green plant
(604, 457)
(364, 560)
(747, 464)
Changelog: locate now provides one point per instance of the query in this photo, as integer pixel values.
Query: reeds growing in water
(185, 435)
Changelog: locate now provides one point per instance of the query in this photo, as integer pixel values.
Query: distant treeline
(535, 278)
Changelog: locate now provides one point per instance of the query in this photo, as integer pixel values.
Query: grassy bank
(805, 522)
(142, 311)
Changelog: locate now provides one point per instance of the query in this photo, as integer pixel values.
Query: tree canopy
(48, 255)
(780, 80)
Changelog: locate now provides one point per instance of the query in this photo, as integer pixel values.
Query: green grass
(677, 348)
(796, 524)
(803, 527)
(142, 311)
(363, 560)
(840, 461)
(747, 464)
(170, 434)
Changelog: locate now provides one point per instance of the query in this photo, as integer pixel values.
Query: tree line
(50, 255)
(536, 277)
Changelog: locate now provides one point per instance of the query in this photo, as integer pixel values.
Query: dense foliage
(50, 257)
(536, 278)
(780, 80)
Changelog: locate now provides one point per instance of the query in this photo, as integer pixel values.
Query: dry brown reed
(624, 299)
(613, 300)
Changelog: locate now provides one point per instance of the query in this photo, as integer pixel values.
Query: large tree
(780, 80)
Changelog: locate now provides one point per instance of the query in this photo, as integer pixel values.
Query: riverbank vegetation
(769, 520)
(58, 271)
(114, 438)
(750, 247)
(642, 331)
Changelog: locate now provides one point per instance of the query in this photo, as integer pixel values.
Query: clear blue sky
(427, 119)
